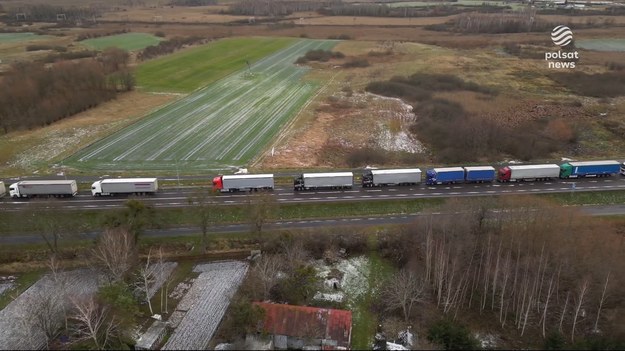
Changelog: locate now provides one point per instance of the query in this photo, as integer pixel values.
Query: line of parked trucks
(332, 180)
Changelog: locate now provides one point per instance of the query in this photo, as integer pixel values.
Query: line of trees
(48, 13)
(540, 269)
(34, 95)
(168, 46)
(275, 8)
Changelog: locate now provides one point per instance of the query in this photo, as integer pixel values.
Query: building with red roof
(298, 327)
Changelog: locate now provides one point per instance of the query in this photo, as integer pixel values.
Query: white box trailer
(529, 172)
(49, 188)
(386, 177)
(334, 180)
(243, 182)
(124, 186)
(3, 189)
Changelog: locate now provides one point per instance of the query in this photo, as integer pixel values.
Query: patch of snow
(488, 341)
(224, 346)
(401, 141)
(393, 346)
(355, 280)
(5, 286)
(334, 297)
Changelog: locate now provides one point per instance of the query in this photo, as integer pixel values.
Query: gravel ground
(205, 304)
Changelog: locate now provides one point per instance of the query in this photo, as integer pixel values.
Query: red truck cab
(504, 174)
(218, 183)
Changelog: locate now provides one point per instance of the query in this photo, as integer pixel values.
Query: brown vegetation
(522, 263)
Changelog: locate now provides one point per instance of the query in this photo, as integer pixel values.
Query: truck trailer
(243, 182)
(3, 189)
(479, 174)
(447, 175)
(47, 188)
(589, 169)
(386, 177)
(528, 173)
(124, 186)
(334, 180)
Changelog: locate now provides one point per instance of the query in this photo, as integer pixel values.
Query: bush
(160, 34)
(452, 336)
(356, 62)
(596, 85)
(554, 341)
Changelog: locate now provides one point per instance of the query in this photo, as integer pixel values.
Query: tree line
(35, 95)
(168, 46)
(530, 266)
(275, 8)
(48, 13)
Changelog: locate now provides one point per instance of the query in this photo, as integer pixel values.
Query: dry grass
(311, 19)
(199, 14)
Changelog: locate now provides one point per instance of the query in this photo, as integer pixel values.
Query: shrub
(160, 34)
(356, 62)
(554, 341)
(452, 336)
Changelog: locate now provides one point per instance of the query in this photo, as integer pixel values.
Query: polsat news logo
(562, 36)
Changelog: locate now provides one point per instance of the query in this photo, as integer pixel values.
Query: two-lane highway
(179, 197)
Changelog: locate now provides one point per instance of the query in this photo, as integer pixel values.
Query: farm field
(17, 37)
(188, 70)
(222, 125)
(126, 41)
(601, 44)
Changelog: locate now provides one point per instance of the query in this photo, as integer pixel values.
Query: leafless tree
(145, 279)
(44, 312)
(581, 294)
(403, 291)
(116, 253)
(93, 321)
(60, 280)
(207, 213)
(164, 279)
(261, 208)
(601, 301)
(267, 268)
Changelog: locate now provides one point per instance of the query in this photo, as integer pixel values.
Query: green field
(126, 41)
(17, 37)
(601, 44)
(191, 69)
(220, 126)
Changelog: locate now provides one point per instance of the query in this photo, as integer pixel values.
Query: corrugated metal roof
(308, 322)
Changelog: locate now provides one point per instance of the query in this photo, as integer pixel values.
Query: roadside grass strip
(222, 125)
(126, 41)
(20, 37)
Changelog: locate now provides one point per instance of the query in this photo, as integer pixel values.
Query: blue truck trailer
(589, 169)
(481, 174)
(447, 175)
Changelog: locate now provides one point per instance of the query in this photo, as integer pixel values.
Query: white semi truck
(43, 188)
(334, 180)
(124, 186)
(387, 177)
(243, 182)
(528, 173)
(3, 189)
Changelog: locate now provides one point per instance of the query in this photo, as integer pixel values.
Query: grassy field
(17, 37)
(601, 44)
(188, 70)
(126, 41)
(222, 125)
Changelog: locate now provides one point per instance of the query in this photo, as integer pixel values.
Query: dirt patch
(344, 122)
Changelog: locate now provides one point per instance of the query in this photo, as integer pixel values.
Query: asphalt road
(178, 197)
(603, 210)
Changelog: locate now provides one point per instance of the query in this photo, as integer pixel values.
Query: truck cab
(14, 191)
(622, 169)
(96, 188)
(367, 179)
(298, 182)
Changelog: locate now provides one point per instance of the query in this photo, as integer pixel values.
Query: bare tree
(145, 279)
(581, 294)
(60, 280)
(44, 312)
(93, 321)
(116, 253)
(605, 288)
(261, 208)
(164, 279)
(403, 291)
(206, 210)
(267, 268)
